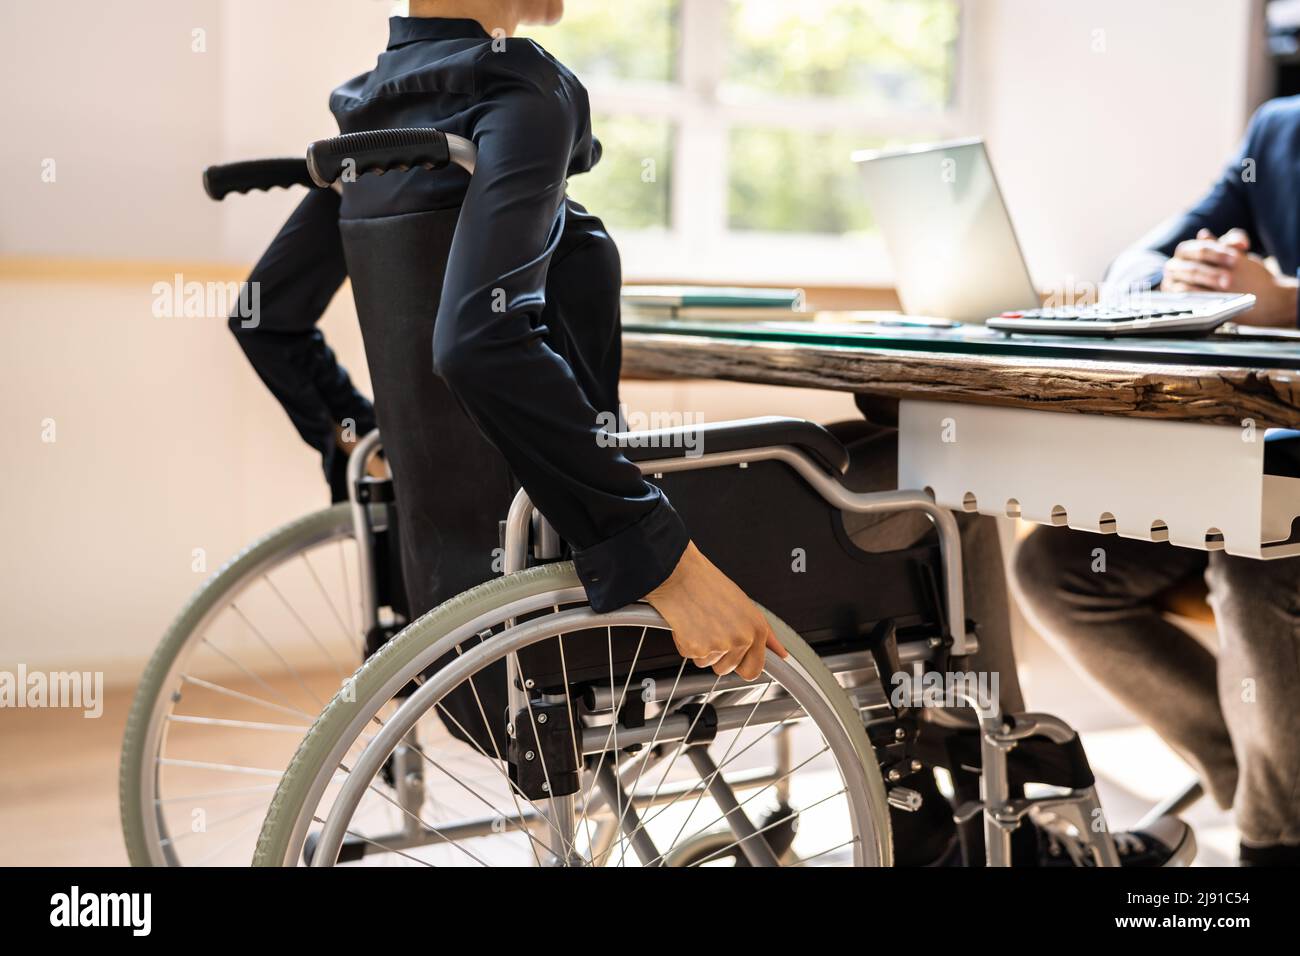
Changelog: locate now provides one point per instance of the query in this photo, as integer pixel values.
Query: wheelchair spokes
(610, 759)
(250, 672)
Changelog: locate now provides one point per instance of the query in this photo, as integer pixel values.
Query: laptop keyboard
(1154, 313)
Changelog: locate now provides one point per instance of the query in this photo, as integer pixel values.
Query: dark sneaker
(1166, 842)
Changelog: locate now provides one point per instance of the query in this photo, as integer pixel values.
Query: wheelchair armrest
(711, 437)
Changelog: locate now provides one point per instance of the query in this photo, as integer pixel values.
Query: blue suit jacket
(1259, 192)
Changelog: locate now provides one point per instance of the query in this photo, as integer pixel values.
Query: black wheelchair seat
(713, 437)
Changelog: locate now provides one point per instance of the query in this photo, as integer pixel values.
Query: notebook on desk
(707, 303)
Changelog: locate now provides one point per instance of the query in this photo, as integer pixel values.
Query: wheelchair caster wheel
(719, 848)
(708, 849)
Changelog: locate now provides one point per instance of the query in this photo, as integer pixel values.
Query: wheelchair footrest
(1032, 760)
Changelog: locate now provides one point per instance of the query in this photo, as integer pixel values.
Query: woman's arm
(491, 348)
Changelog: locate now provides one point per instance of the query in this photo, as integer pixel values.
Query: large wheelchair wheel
(233, 687)
(601, 764)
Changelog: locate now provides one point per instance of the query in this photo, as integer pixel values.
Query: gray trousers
(874, 467)
(1234, 716)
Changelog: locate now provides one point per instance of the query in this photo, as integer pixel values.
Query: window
(727, 126)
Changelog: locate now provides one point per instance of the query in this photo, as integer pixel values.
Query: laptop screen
(947, 231)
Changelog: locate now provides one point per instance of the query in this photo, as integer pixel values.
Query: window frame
(698, 245)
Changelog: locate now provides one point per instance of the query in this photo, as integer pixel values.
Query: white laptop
(955, 253)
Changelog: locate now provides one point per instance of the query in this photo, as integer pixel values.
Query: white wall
(113, 93)
(1107, 116)
(281, 60)
(132, 113)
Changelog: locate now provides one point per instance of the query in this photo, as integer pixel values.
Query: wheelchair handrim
(437, 634)
(515, 639)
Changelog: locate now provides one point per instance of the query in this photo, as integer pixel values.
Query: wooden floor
(58, 791)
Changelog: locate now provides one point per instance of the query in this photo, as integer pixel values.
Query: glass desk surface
(1230, 346)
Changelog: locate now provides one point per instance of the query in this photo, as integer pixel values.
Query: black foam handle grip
(376, 152)
(219, 181)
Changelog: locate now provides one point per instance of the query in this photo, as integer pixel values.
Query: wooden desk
(1212, 381)
(1166, 442)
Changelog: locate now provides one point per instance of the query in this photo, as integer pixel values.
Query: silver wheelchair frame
(1002, 815)
(365, 525)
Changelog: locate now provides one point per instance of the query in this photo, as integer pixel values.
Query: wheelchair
(513, 725)
(612, 750)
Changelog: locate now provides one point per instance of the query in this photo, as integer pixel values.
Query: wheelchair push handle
(381, 150)
(220, 181)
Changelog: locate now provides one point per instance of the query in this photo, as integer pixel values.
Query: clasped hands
(1226, 264)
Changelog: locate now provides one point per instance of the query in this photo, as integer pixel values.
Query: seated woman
(526, 340)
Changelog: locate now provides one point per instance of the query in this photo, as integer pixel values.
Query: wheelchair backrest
(452, 486)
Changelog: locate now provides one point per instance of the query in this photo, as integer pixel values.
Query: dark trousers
(297, 276)
(1234, 715)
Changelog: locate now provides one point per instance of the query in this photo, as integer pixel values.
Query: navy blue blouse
(527, 334)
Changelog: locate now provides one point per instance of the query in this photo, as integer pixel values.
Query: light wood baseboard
(55, 269)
